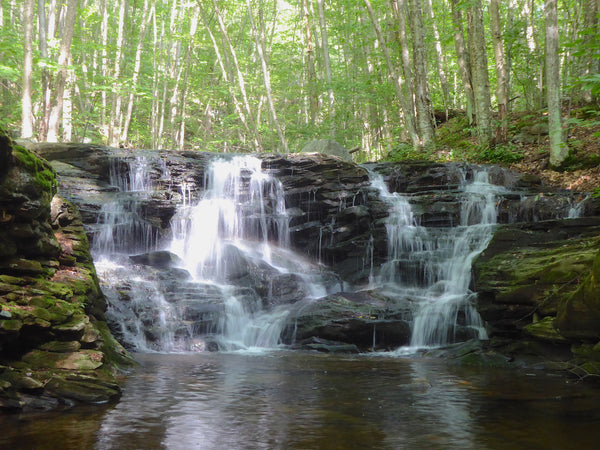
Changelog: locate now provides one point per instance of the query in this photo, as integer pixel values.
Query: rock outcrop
(537, 285)
(55, 348)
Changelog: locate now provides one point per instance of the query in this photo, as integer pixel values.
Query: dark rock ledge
(55, 347)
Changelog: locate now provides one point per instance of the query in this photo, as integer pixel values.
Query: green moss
(43, 173)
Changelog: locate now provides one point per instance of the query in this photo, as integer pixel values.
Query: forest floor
(526, 149)
(582, 171)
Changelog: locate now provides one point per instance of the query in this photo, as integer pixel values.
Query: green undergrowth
(527, 139)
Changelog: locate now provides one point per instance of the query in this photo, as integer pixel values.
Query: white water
(233, 240)
(432, 267)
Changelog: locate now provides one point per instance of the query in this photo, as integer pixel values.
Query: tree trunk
(26, 108)
(501, 86)
(479, 72)
(61, 77)
(463, 60)
(236, 102)
(145, 20)
(558, 148)
(327, 63)
(311, 73)
(114, 132)
(399, 9)
(240, 77)
(409, 115)
(266, 78)
(422, 100)
(440, 58)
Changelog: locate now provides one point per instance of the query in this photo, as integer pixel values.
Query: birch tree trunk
(266, 77)
(61, 77)
(558, 148)
(479, 72)
(422, 100)
(26, 108)
(463, 59)
(114, 132)
(501, 80)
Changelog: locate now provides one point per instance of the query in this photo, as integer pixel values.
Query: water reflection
(311, 401)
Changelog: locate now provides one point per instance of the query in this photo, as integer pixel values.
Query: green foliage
(407, 152)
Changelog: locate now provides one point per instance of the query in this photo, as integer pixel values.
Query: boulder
(327, 147)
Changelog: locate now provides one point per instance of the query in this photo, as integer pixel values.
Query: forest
(269, 76)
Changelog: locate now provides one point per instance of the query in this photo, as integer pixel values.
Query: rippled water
(284, 400)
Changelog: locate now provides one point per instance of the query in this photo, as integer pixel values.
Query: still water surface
(284, 400)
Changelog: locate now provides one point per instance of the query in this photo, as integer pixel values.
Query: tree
(422, 100)
(266, 77)
(26, 109)
(61, 77)
(501, 80)
(327, 64)
(462, 58)
(479, 73)
(409, 115)
(558, 148)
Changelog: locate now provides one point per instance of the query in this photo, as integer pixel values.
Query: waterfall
(431, 267)
(120, 226)
(231, 275)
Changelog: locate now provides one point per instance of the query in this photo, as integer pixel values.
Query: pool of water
(286, 400)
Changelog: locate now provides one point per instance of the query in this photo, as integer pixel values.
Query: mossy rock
(87, 390)
(545, 330)
(44, 174)
(579, 314)
(78, 360)
(61, 346)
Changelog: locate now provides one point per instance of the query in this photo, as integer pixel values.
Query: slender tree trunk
(145, 20)
(463, 59)
(501, 86)
(26, 106)
(187, 69)
(327, 63)
(400, 10)
(409, 116)
(236, 102)
(240, 78)
(479, 72)
(311, 73)
(422, 100)
(440, 58)
(558, 148)
(114, 132)
(266, 77)
(61, 77)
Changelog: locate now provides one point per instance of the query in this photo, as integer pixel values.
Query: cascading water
(229, 268)
(229, 231)
(431, 267)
